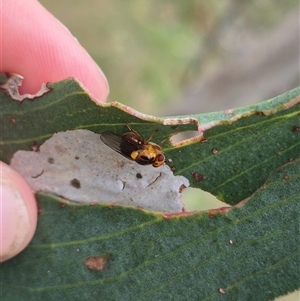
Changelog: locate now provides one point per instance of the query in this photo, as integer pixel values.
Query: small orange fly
(131, 145)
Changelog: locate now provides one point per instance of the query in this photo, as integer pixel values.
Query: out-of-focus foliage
(150, 50)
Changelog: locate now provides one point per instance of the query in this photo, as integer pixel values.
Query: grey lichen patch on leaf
(78, 166)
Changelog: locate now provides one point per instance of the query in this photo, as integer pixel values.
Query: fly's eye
(160, 158)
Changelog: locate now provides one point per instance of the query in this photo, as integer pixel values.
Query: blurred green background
(181, 57)
(151, 51)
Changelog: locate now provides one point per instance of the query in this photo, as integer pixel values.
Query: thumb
(18, 213)
(37, 46)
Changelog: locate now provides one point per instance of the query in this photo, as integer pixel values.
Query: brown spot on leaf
(97, 263)
(214, 212)
(35, 147)
(75, 183)
(198, 177)
(295, 129)
(50, 160)
(12, 120)
(214, 150)
(260, 113)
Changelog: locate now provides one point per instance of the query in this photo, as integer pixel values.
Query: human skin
(38, 47)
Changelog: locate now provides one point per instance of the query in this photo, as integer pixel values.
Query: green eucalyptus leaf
(248, 156)
(99, 252)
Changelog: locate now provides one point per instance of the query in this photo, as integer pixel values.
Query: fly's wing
(114, 142)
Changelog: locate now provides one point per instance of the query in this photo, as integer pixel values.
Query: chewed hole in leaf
(196, 199)
(185, 137)
(193, 198)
